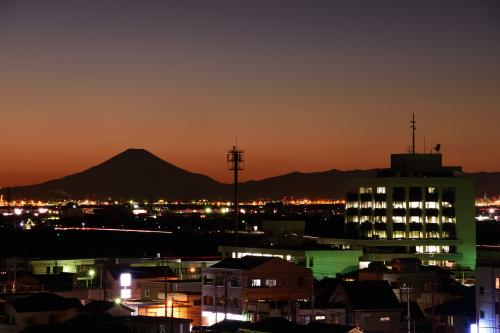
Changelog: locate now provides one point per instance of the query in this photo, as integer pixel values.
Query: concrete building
(488, 298)
(370, 305)
(417, 208)
(322, 260)
(23, 310)
(253, 288)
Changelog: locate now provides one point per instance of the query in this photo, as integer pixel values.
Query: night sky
(305, 85)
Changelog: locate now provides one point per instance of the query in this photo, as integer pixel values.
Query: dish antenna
(437, 148)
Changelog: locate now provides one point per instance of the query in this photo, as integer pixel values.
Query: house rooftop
(244, 263)
(371, 295)
(148, 272)
(101, 307)
(43, 302)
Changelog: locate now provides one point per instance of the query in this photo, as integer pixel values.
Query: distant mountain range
(138, 174)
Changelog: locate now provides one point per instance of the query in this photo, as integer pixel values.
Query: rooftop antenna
(235, 163)
(413, 128)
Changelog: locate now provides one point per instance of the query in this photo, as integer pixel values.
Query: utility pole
(235, 163)
(413, 128)
(406, 287)
(165, 300)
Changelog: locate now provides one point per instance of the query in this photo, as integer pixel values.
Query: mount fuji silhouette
(132, 174)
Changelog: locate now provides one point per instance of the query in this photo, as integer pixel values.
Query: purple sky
(305, 85)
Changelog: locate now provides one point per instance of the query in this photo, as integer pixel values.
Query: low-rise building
(370, 305)
(488, 297)
(253, 288)
(323, 260)
(23, 310)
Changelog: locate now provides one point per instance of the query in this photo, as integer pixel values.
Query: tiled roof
(101, 307)
(245, 263)
(371, 295)
(42, 302)
(149, 272)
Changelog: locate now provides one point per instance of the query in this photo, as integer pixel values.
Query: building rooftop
(148, 272)
(244, 263)
(371, 295)
(43, 302)
(101, 307)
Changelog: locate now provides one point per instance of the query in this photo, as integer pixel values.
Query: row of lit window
(398, 204)
(401, 219)
(433, 249)
(398, 234)
(383, 190)
(379, 190)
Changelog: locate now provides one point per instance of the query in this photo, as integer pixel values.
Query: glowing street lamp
(91, 274)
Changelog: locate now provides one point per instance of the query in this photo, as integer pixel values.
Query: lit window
(415, 204)
(366, 204)
(399, 204)
(256, 282)
(319, 317)
(385, 318)
(380, 190)
(431, 219)
(365, 190)
(432, 249)
(398, 234)
(125, 280)
(125, 293)
(431, 205)
(380, 219)
(270, 282)
(497, 283)
(399, 219)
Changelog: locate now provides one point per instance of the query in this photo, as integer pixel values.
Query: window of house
(385, 318)
(481, 290)
(497, 283)
(319, 317)
(256, 282)
(55, 318)
(270, 282)
(147, 293)
(208, 300)
(311, 261)
(481, 314)
(30, 321)
(302, 281)
(235, 282)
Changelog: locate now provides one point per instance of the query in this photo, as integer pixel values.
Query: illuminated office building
(417, 208)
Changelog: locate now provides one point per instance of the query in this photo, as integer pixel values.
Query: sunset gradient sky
(305, 85)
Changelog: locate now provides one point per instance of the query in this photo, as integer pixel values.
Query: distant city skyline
(305, 86)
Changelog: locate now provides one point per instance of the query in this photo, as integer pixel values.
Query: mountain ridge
(138, 174)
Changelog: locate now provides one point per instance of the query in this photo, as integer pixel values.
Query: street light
(91, 274)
